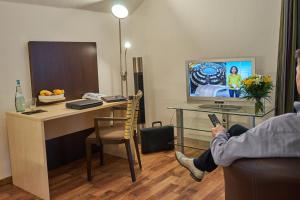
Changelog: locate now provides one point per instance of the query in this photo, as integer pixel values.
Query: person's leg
(237, 130)
(205, 162)
(237, 93)
(231, 93)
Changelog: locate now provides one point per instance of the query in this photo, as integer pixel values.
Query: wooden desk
(27, 135)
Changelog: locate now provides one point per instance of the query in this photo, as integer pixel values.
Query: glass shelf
(225, 110)
(238, 110)
(193, 129)
(193, 144)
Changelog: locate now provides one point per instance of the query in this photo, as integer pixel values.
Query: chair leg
(130, 160)
(88, 146)
(101, 154)
(135, 138)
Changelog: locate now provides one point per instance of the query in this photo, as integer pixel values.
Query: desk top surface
(59, 110)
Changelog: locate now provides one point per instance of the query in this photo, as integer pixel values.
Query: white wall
(21, 23)
(168, 32)
(164, 32)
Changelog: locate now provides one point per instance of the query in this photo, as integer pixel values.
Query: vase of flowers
(257, 88)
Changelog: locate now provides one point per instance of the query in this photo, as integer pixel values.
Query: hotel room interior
(97, 95)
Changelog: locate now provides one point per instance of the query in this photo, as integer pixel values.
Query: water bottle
(19, 98)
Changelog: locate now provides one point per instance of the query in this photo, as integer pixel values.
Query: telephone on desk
(93, 96)
(102, 97)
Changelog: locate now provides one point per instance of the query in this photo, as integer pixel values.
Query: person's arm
(225, 150)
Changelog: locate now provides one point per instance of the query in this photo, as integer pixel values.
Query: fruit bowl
(52, 98)
(47, 96)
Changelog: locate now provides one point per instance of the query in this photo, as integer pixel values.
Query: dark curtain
(286, 92)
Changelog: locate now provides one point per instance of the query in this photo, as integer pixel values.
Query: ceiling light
(119, 11)
(127, 45)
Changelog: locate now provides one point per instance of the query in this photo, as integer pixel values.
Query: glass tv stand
(224, 110)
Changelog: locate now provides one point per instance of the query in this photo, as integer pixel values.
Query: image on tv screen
(218, 79)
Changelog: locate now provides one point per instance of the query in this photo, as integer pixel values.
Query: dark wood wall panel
(71, 66)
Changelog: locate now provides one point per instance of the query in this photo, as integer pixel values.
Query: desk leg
(28, 155)
(180, 130)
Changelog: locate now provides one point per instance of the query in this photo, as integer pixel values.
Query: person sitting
(276, 137)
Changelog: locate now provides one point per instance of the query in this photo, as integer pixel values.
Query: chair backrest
(132, 114)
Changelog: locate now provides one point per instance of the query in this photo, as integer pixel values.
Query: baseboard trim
(6, 181)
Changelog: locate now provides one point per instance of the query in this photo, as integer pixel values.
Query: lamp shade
(119, 11)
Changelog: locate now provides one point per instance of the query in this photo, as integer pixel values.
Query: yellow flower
(248, 82)
(267, 79)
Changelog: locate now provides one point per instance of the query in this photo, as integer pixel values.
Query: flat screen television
(217, 79)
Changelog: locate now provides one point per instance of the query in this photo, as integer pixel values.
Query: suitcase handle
(156, 122)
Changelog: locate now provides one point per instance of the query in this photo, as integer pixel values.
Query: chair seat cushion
(113, 133)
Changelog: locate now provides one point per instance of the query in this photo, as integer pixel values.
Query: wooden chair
(119, 135)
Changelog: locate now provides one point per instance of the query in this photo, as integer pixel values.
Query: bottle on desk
(19, 98)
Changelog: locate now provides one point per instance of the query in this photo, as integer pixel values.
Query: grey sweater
(276, 137)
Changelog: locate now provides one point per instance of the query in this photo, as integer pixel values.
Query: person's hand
(217, 130)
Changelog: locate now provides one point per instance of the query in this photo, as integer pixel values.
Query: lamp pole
(120, 46)
(120, 12)
(125, 73)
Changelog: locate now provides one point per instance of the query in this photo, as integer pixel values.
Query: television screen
(219, 78)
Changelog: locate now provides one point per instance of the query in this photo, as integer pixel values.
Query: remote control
(214, 119)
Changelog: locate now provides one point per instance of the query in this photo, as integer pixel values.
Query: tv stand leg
(225, 121)
(180, 130)
(253, 121)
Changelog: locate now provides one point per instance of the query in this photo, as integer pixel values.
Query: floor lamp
(127, 46)
(121, 12)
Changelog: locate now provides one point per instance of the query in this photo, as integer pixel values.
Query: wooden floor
(161, 178)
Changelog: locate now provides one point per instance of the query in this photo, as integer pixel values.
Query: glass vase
(259, 105)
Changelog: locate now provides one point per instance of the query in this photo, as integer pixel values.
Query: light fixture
(127, 45)
(119, 11)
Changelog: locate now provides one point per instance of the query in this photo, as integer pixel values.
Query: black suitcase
(156, 139)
